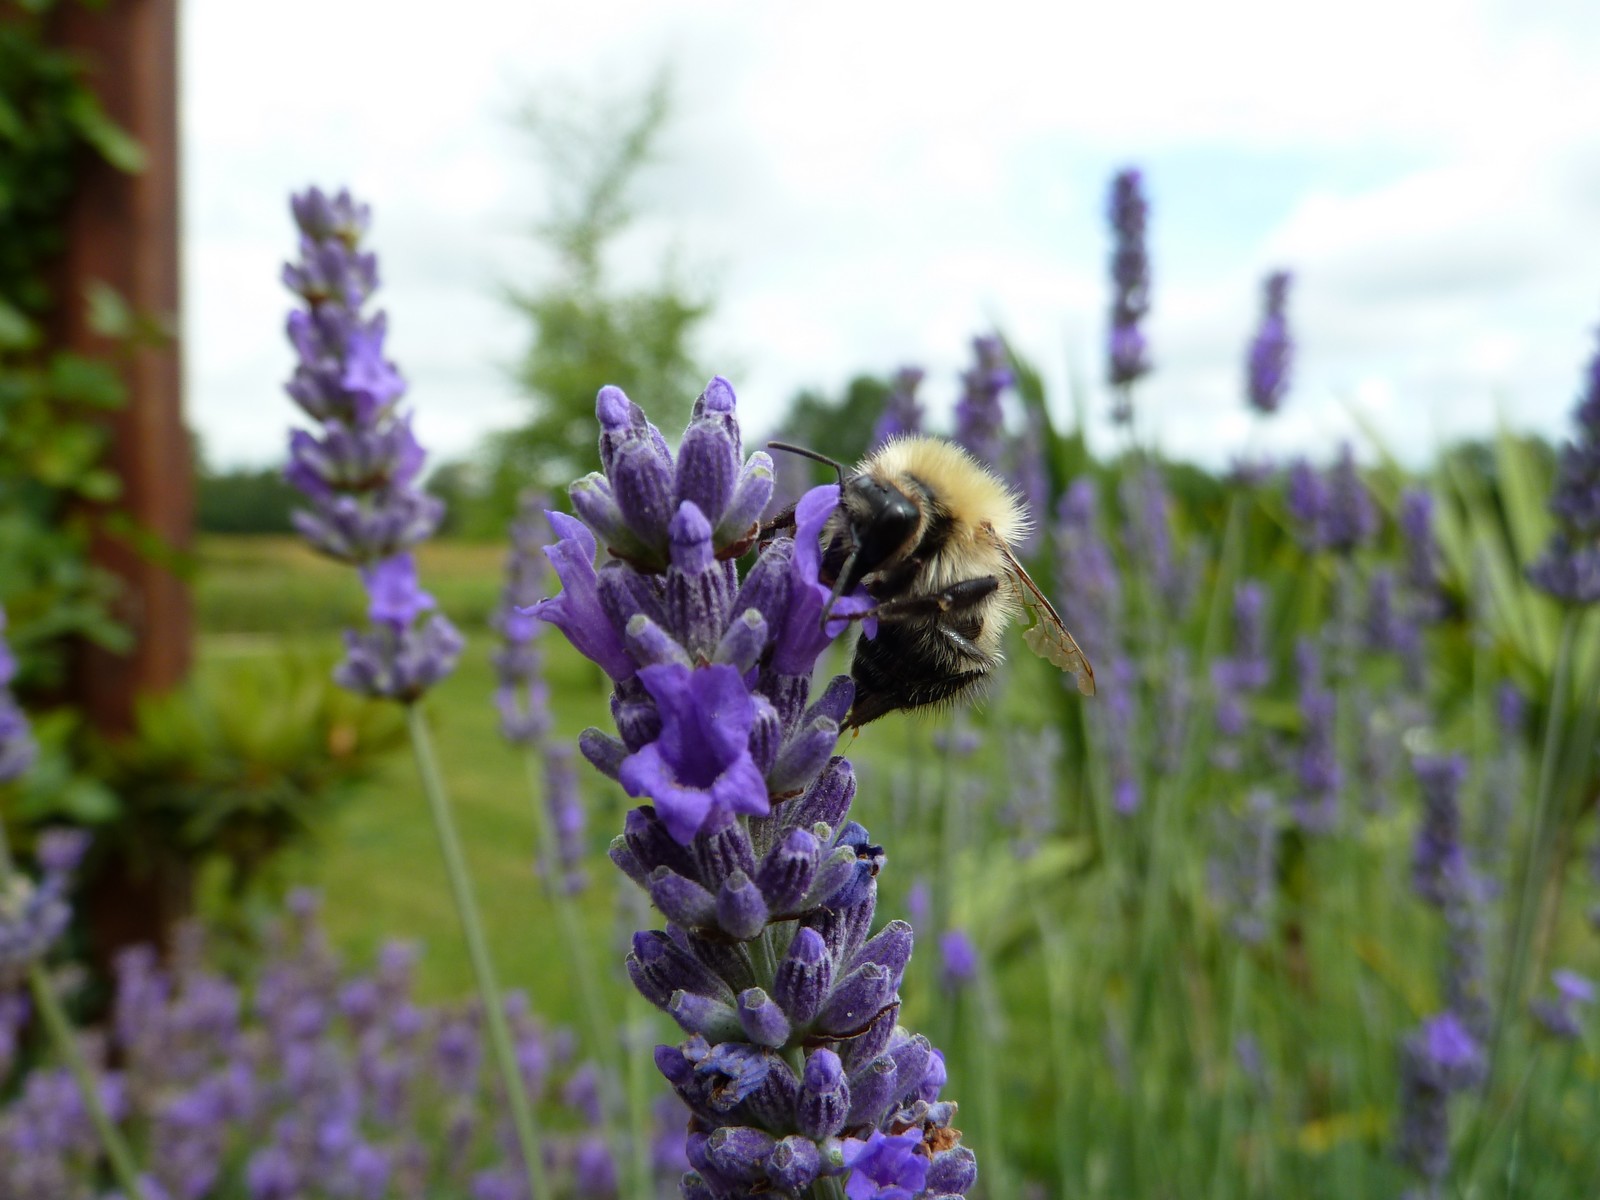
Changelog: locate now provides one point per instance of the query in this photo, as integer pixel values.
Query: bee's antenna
(811, 454)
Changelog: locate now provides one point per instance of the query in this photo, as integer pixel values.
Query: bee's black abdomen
(912, 665)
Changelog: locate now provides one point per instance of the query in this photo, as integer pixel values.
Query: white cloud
(870, 185)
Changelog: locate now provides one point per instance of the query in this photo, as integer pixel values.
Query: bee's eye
(883, 520)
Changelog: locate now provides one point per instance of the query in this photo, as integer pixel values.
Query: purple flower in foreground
(1271, 352)
(885, 1167)
(699, 770)
(1130, 289)
(1569, 570)
(747, 848)
(359, 471)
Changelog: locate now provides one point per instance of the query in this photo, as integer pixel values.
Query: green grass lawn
(377, 863)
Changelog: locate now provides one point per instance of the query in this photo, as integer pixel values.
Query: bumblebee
(928, 531)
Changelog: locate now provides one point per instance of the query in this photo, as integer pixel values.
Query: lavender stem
(59, 1027)
(594, 1007)
(1523, 921)
(494, 1014)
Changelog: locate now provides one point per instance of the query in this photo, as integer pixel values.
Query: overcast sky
(869, 185)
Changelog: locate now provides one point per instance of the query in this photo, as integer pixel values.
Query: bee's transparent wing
(1046, 636)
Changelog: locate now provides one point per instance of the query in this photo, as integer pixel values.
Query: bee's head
(883, 522)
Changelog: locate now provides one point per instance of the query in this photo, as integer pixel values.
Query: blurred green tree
(589, 330)
(838, 426)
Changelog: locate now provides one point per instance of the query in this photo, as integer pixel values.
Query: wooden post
(122, 230)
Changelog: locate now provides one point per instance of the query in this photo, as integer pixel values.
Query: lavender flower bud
(723, 853)
(751, 495)
(659, 967)
(890, 948)
(873, 1040)
(824, 1096)
(763, 1020)
(794, 1164)
(953, 1171)
(597, 508)
(649, 644)
(744, 641)
(682, 901)
(710, 1018)
(653, 846)
(912, 1056)
(872, 1091)
(804, 977)
(604, 752)
(787, 872)
(741, 912)
(859, 997)
(805, 755)
(828, 798)
(642, 486)
(708, 467)
(836, 873)
(740, 1153)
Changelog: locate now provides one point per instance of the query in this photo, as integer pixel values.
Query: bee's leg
(954, 599)
(784, 520)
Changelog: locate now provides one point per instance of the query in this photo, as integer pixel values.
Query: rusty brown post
(122, 230)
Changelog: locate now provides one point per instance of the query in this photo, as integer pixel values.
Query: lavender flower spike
(794, 1069)
(1570, 567)
(359, 471)
(1130, 297)
(902, 412)
(521, 695)
(1271, 352)
(17, 747)
(32, 916)
(980, 421)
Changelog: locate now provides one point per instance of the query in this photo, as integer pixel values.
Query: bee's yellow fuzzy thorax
(969, 490)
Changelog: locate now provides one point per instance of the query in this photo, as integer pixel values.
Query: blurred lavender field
(1301, 903)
